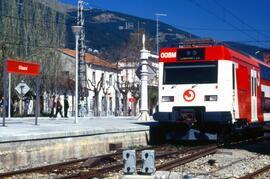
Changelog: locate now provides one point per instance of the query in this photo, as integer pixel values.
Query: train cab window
(190, 73)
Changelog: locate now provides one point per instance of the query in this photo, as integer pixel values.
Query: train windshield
(190, 73)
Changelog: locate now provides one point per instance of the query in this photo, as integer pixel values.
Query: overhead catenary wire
(222, 19)
(66, 15)
(240, 20)
(251, 29)
(219, 29)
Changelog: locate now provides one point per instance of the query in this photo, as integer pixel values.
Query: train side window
(265, 103)
(255, 86)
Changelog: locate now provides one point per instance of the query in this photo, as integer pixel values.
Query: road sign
(22, 88)
(151, 72)
(132, 100)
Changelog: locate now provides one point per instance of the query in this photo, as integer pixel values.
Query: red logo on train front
(168, 54)
(189, 95)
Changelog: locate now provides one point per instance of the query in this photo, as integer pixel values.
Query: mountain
(32, 30)
(110, 31)
(57, 5)
(48, 23)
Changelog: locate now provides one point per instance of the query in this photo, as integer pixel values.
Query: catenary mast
(82, 64)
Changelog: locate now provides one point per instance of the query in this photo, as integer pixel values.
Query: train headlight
(167, 98)
(210, 98)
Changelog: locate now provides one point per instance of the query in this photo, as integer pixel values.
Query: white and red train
(212, 88)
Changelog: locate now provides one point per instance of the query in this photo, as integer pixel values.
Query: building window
(110, 80)
(94, 77)
(103, 79)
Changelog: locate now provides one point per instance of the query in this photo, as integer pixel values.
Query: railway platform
(23, 144)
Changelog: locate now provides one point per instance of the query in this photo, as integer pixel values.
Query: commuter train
(213, 89)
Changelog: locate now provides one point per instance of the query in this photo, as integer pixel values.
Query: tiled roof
(89, 58)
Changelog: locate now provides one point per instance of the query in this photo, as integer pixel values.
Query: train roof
(210, 53)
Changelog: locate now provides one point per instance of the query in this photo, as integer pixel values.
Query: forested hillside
(32, 30)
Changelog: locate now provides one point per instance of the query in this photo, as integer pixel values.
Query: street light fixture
(157, 15)
(76, 30)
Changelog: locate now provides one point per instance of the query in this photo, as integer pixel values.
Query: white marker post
(145, 55)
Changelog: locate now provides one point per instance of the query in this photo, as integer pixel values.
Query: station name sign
(22, 67)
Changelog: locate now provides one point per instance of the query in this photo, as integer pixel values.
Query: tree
(96, 88)
(124, 89)
(130, 58)
(105, 89)
(32, 31)
(136, 94)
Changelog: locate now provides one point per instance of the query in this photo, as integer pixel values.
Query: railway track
(257, 173)
(167, 158)
(94, 167)
(190, 157)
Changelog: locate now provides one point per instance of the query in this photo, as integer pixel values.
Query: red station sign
(21, 67)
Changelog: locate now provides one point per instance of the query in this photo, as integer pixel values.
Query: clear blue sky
(246, 21)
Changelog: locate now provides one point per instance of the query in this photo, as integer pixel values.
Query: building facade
(103, 97)
(113, 89)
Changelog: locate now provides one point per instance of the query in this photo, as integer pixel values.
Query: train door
(253, 80)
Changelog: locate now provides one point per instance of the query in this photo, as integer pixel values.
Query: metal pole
(5, 91)
(157, 37)
(9, 95)
(37, 100)
(157, 34)
(76, 30)
(76, 79)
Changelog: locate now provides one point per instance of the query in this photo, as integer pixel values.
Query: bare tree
(96, 88)
(124, 89)
(105, 90)
(136, 94)
(130, 55)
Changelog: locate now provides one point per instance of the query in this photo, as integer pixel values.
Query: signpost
(22, 88)
(25, 68)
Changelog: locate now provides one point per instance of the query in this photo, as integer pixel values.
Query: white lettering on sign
(168, 55)
(23, 68)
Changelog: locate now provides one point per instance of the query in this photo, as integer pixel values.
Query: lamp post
(157, 15)
(76, 30)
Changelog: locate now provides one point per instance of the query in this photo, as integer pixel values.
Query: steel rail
(256, 173)
(41, 168)
(180, 161)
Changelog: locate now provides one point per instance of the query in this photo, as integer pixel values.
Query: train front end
(196, 90)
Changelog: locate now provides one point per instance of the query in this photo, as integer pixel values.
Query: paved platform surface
(18, 129)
